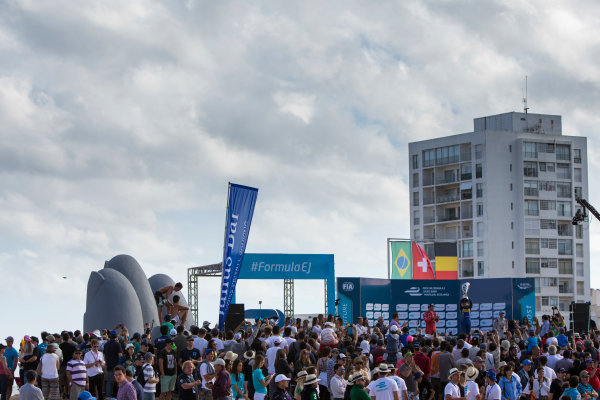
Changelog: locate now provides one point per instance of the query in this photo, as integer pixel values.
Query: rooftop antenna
(525, 108)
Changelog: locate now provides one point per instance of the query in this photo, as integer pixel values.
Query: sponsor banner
(416, 295)
(523, 298)
(372, 298)
(287, 266)
(240, 208)
(401, 258)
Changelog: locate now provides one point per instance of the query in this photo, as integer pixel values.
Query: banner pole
(225, 238)
(388, 257)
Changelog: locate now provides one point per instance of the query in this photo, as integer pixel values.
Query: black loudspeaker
(580, 317)
(235, 316)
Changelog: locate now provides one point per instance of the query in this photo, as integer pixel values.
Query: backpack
(141, 378)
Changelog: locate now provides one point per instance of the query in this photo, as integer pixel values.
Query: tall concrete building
(506, 194)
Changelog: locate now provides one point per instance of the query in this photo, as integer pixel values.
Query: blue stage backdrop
(372, 298)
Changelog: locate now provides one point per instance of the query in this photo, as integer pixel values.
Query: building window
(480, 249)
(478, 170)
(415, 198)
(532, 246)
(530, 188)
(478, 151)
(563, 189)
(548, 282)
(415, 161)
(416, 217)
(417, 234)
(466, 172)
(548, 243)
(579, 269)
(563, 152)
(563, 171)
(416, 179)
(479, 190)
(545, 147)
(532, 265)
(547, 224)
(580, 290)
(428, 158)
(565, 286)
(564, 229)
(565, 266)
(565, 247)
(549, 263)
(577, 174)
(480, 268)
(547, 186)
(579, 232)
(529, 150)
(480, 229)
(467, 248)
(579, 250)
(547, 205)
(578, 192)
(531, 207)
(510, 148)
(564, 209)
(480, 210)
(577, 156)
(467, 270)
(530, 169)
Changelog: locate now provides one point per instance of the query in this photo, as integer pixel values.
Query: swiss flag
(422, 268)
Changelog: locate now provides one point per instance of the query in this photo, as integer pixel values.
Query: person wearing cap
(392, 348)
(190, 353)
(127, 360)
(29, 391)
(430, 318)
(12, 355)
(300, 379)
(94, 362)
(310, 388)
(85, 395)
(281, 384)
(451, 390)
(77, 375)
(167, 367)
(207, 373)
(511, 388)
(149, 378)
(221, 389)
(112, 353)
(30, 357)
(584, 388)
(492, 390)
(525, 378)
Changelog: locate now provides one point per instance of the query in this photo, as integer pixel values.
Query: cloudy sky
(122, 122)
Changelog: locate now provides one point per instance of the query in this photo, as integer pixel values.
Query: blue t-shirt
(531, 341)
(572, 393)
(10, 355)
(257, 376)
(465, 309)
(562, 340)
(240, 385)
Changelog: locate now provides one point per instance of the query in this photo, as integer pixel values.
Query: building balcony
(448, 199)
(448, 218)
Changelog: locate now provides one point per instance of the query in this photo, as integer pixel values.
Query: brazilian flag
(401, 259)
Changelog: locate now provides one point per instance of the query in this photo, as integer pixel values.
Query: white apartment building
(506, 194)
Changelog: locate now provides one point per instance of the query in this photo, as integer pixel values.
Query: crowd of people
(322, 359)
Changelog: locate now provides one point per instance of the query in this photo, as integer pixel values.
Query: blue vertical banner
(240, 208)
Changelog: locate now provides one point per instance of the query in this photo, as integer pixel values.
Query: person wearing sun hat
(492, 390)
(358, 391)
(471, 387)
(452, 391)
(300, 378)
(383, 388)
(310, 388)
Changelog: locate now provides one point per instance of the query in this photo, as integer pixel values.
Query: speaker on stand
(235, 316)
(579, 314)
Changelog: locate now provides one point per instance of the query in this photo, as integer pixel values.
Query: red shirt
(429, 317)
(423, 362)
(594, 378)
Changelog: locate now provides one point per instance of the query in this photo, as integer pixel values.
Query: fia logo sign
(347, 286)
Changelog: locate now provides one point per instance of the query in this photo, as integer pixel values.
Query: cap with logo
(281, 377)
